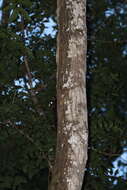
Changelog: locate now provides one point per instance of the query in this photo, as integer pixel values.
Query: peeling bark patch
(74, 45)
(77, 11)
(69, 83)
(75, 117)
(67, 128)
(76, 160)
(75, 105)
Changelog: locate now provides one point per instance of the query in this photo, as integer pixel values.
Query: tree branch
(31, 90)
(110, 154)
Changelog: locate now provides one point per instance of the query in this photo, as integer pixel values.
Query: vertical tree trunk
(72, 137)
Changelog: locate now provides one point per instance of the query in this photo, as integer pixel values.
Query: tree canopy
(28, 121)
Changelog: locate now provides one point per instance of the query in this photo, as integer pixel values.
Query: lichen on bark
(72, 135)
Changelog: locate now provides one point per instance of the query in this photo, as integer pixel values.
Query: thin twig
(110, 154)
(108, 41)
(31, 90)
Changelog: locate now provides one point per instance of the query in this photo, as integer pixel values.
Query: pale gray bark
(72, 136)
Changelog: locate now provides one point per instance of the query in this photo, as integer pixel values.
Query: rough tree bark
(72, 137)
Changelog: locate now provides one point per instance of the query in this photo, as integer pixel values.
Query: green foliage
(28, 139)
(106, 93)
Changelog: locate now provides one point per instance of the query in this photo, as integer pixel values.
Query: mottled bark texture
(72, 137)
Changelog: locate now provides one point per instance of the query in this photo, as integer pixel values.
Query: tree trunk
(72, 136)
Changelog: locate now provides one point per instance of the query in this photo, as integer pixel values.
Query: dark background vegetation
(28, 94)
